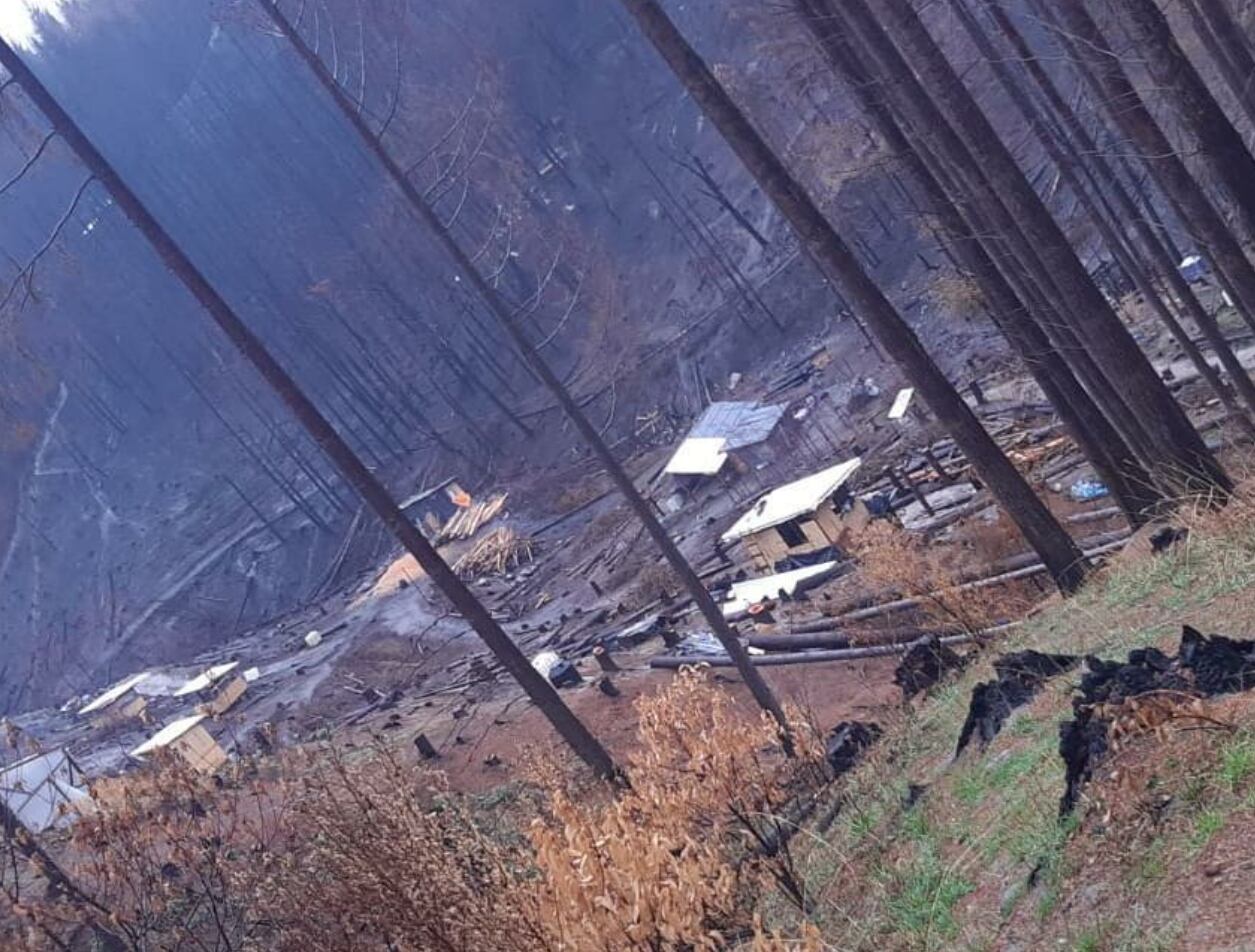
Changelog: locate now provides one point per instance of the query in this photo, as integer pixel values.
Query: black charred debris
(1020, 676)
(847, 742)
(1205, 666)
(924, 664)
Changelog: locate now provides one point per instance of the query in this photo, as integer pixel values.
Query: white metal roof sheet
(698, 456)
(168, 734)
(752, 591)
(206, 678)
(113, 694)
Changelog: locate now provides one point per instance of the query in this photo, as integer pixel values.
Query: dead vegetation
(347, 850)
(897, 564)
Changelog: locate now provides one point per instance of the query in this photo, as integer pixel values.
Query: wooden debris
(498, 552)
(466, 522)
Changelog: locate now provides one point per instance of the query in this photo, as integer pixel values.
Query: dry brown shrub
(355, 850)
(654, 581)
(897, 563)
(386, 858)
(676, 861)
(956, 294)
(164, 863)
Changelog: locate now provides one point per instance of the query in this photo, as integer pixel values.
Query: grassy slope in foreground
(1156, 858)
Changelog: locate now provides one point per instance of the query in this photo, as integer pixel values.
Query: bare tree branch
(30, 163)
(26, 275)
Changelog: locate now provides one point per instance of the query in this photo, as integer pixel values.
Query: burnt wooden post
(604, 659)
(427, 751)
(942, 473)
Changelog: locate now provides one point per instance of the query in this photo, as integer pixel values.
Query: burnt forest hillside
(154, 498)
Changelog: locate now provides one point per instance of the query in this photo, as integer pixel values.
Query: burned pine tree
(1101, 67)
(965, 234)
(1124, 212)
(1157, 428)
(1093, 201)
(821, 241)
(354, 471)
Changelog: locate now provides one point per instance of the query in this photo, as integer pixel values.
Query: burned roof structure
(725, 426)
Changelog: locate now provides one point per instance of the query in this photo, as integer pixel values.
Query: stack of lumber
(465, 523)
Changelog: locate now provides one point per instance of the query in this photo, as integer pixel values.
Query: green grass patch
(1237, 761)
(1206, 825)
(923, 896)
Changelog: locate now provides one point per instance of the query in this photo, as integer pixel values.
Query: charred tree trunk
(1082, 417)
(1102, 69)
(999, 230)
(839, 265)
(1183, 457)
(251, 348)
(692, 582)
(1222, 151)
(1223, 39)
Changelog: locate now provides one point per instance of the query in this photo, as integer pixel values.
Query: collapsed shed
(43, 790)
(723, 428)
(804, 522)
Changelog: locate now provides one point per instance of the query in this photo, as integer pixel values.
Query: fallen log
(905, 604)
(802, 657)
(836, 638)
(1094, 545)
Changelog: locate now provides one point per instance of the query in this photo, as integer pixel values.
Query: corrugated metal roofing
(724, 426)
(741, 423)
(40, 789)
(792, 499)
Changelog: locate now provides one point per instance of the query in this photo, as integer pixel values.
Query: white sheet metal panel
(206, 678)
(113, 694)
(698, 456)
(168, 734)
(900, 403)
(42, 790)
(752, 591)
(792, 499)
